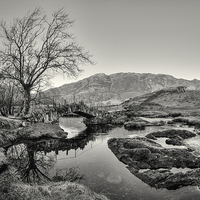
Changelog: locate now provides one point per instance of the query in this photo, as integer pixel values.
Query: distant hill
(116, 88)
(168, 100)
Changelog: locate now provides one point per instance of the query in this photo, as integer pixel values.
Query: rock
(142, 153)
(188, 121)
(134, 125)
(138, 142)
(154, 178)
(177, 140)
(114, 178)
(166, 179)
(172, 133)
(138, 153)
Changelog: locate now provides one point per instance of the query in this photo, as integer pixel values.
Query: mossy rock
(134, 125)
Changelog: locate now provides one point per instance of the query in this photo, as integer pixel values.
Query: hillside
(169, 100)
(116, 87)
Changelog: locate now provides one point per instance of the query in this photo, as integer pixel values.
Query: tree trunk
(10, 100)
(4, 111)
(27, 100)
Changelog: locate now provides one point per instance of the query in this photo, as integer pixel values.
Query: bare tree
(35, 48)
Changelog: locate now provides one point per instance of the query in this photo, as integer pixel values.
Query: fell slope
(119, 86)
(170, 100)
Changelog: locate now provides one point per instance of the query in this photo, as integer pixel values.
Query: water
(73, 126)
(194, 143)
(104, 173)
(87, 149)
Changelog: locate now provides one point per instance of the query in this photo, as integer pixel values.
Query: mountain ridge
(117, 87)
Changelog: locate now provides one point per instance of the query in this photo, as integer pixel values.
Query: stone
(114, 178)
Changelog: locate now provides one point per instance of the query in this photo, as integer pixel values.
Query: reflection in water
(34, 159)
(75, 127)
(71, 126)
(89, 151)
(31, 165)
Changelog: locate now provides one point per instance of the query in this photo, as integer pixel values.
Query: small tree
(34, 48)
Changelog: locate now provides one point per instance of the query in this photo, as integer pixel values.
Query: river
(87, 150)
(105, 174)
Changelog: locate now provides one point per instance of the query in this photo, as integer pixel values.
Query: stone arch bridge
(50, 113)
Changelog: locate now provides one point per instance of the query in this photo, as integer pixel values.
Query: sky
(141, 36)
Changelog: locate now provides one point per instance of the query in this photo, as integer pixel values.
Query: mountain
(116, 88)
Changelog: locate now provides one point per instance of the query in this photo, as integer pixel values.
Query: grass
(186, 103)
(61, 191)
(12, 188)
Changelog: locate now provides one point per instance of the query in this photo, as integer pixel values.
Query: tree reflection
(31, 165)
(34, 159)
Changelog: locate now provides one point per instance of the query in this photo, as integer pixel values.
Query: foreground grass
(12, 188)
